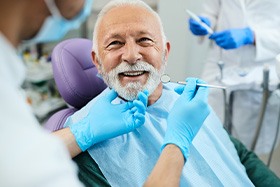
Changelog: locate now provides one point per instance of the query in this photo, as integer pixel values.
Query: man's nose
(131, 53)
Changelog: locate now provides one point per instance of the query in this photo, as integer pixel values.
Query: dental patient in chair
(130, 50)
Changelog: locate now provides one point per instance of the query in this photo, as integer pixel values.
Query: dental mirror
(166, 79)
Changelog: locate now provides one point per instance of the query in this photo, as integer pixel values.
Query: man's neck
(155, 95)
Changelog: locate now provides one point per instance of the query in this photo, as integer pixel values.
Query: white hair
(119, 3)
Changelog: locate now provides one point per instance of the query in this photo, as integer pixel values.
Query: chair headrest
(74, 72)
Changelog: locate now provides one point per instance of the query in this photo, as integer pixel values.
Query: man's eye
(144, 40)
(115, 43)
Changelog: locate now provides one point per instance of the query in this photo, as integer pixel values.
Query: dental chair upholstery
(75, 77)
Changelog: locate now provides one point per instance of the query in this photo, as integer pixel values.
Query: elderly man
(130, 51)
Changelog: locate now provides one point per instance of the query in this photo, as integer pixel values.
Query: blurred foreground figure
(30, 156)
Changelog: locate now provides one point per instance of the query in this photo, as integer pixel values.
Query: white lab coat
(29, 156)
(262, 16)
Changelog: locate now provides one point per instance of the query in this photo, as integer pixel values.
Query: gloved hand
(187, 115)
(233, 38)
(106, 120)
(196, 28)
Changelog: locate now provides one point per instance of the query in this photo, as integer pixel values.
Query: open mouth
(133, 73)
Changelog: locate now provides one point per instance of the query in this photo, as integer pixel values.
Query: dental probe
(204, 85)
(165, 79)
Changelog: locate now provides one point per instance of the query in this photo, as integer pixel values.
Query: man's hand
(106, 120)
(187, 115)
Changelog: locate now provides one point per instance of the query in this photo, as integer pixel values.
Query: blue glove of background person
(196, 28)
(106, 120)
(187, 115)
(233, 38)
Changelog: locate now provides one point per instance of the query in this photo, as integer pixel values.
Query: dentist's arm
(104, 121)
(69, 140)
(184, 122)
(168, 169)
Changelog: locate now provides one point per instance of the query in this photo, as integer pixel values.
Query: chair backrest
(75, 76)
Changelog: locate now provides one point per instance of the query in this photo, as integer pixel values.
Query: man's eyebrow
(145, 32)
(110, 37)
(119, 36)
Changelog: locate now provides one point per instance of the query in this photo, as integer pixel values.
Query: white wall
(186, 56)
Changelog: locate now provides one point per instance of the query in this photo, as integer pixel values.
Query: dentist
(29, 156)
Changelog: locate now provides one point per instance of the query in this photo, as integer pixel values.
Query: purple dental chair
(75, 77)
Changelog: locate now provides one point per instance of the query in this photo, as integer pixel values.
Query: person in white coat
(246, 36)
(29, 156)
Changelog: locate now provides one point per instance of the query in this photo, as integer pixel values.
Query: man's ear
(167, 50)
(95, 60)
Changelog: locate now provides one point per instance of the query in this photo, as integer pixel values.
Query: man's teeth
(133, 73)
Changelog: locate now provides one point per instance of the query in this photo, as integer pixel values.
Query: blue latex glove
(233, 38)
(106, 120)
(196, 28)
(187, 115)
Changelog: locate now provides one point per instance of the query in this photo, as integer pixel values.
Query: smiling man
(130, 51)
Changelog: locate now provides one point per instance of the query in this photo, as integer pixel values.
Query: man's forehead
(123, 33)
(127, 14)
(128, 18)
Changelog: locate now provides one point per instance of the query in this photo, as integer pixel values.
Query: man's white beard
(130, 90)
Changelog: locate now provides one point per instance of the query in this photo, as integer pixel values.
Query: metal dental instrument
(221, 65)
(197, 19)
(265, 98)
(165, 79)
